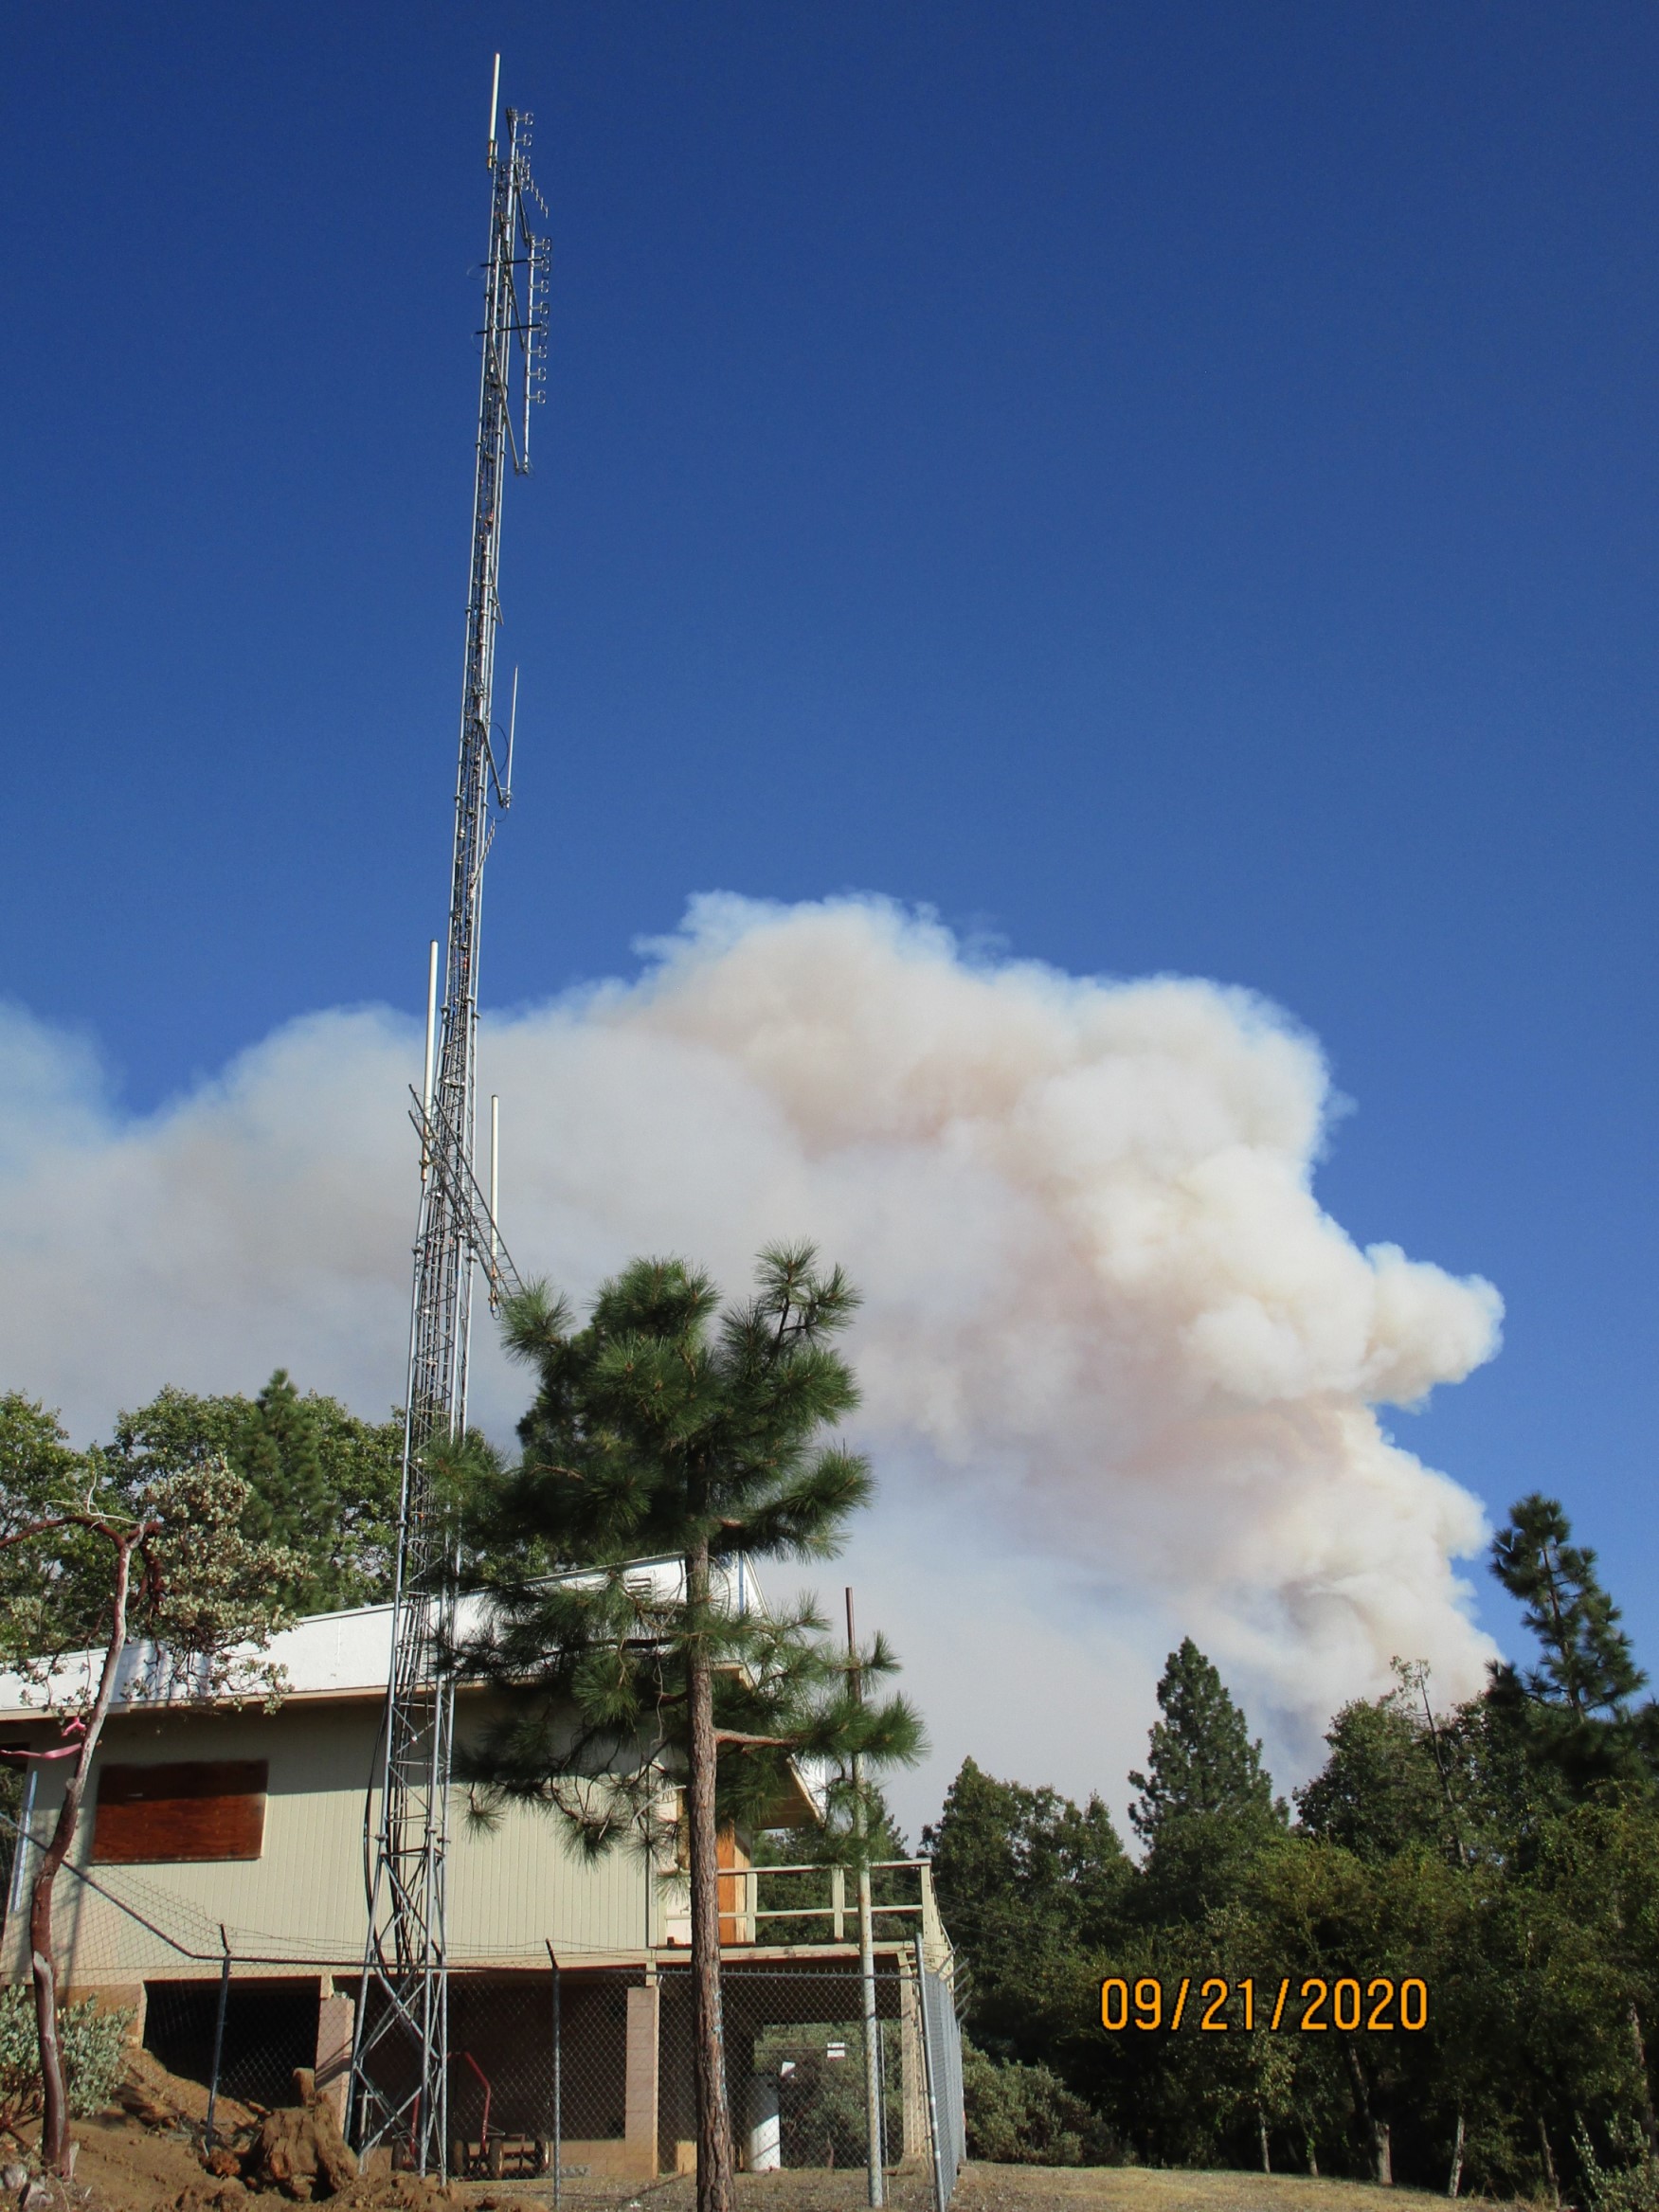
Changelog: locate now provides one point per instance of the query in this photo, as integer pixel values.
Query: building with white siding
(212, 1832)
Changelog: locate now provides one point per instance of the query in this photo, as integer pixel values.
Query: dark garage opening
(270, 2029)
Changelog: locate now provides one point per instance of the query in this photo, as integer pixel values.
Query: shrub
(1025, 2116)
(95, 2053)
(1632, 2188)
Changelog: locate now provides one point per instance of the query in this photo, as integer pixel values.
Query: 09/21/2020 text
(1375, 2007)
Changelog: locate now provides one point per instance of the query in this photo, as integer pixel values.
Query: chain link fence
(946, 2112)
(806, 2087)
(575, 2075)
(587, 2074)
(243, 2036)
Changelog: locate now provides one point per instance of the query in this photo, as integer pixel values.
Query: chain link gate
(947, 2115)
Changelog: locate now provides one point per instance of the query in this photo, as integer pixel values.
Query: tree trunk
(714, 2183)
(1549, 2164)
(1454, 2179)
(1261, 2129)
(1374, 2132)
(1383, 2153)
(1643, 2085)
(1312, 2160)
(54, 2093)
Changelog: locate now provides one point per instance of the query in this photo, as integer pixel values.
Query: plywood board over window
(199, 1808)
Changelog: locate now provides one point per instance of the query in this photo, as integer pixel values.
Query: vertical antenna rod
(400, 2060)
(429, 1065)
(494, 1195)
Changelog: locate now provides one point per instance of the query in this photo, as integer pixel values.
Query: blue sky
(1172, 489)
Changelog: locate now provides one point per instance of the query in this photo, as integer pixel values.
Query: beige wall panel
(520, 1885)
(305, 1888)
(510, 1889)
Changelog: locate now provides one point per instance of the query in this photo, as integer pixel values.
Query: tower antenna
(400, 2058)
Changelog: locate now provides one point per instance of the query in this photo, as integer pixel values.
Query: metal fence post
(876, 2189)
(931, 2073)
(21, 1836)
(558, 2083)
(218, 2039)
(881, 2078)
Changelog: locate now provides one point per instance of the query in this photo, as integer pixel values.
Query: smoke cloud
(1120, 1369)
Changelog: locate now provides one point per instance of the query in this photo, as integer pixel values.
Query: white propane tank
(766, 2136)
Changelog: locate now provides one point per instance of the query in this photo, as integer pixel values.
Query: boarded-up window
(202, 1808)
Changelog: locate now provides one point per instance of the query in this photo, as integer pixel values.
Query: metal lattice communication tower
(399, 2060)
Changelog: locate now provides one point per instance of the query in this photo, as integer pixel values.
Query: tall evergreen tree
(669, 1427)
(1201, 1758)
(832, 1841)
(53, 1593)
(1588, 1664)
(322, 1484)
(835, 1840)
(1026, 1880)
(278, 1458)
(1381, 1790)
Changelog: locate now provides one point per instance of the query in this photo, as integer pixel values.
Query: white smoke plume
(1119, 1367)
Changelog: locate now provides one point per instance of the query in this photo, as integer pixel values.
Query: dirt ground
(145, 2159)
(1039, 2188)
(1138, 2189)
(126, 2167)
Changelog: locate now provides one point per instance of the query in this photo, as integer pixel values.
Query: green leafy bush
(1630, 2187)
(1025, 2116)
(94, 2050)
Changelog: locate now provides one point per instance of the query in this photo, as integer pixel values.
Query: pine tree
(1587, 1660)
(835, 1840)
(668, 1427)
(1380, 1792)
(277, 1454)
(322, 1484)
(1203, 1761)
(1026, 1880)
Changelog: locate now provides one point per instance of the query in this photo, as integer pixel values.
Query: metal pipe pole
(866, 1943)
(558, 2082)
(930, 2081)
(218, 2041)
(22, 1839)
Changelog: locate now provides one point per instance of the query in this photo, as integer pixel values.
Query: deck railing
(820, 1904)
